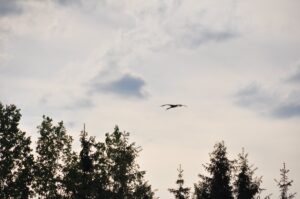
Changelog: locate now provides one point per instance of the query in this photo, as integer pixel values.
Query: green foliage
(107, 170)
(202, 189)
(246, 187)
(86, 175)
(16, 157)
(125, 178)
(181, 192)
(53, 151)
(218, 184)
(284, 183)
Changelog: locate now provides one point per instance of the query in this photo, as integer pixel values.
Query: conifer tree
(202, 189)
(246, 186)
(284, 183)
(181, 192)
(79, 174)
(16, 159)
(218, 185)
(91, 170)
(53, 151)
(107, 170)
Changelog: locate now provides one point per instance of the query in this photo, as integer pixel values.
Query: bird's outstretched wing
(166, 105)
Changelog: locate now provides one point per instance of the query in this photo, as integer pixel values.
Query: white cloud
(191, 52)
(127, 85)
(276, 101)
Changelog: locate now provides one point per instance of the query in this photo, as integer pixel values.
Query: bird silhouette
(173, 106)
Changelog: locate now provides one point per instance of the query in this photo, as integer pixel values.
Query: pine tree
(181, 192)
(53, 151)
(126, 180)
(246, 187)
(284, 183)
(16, 157)
(218, 185)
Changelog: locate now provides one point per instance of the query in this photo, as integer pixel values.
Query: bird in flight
(172, 106)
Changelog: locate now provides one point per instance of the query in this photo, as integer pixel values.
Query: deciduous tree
(53, 152)
(16, 159)
(126, 180)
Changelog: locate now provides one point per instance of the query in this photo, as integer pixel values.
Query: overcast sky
(235, 63)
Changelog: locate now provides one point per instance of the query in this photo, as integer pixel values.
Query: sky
(234, 63)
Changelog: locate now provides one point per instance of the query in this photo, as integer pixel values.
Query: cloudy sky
(236, 64)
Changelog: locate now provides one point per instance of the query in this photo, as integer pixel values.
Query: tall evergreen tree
(246, 186)
(16, 157)
(53, 151)
(284, 183)
(86, 167)
(126, 180)
(217, 186)
(88, 175)
(107, 170)
(77, 178)
(202, 190)
(181, 192)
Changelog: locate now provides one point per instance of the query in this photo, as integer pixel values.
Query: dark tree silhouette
(72, 178)
(181, 192)
(86, 175)
(284, 183)
(126, 180)
(53, 151)
(246, 186)
(202, 189)
(107, 170)
(16, 157)
(86, 161)
(218, 185)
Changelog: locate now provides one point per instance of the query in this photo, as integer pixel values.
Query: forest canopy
(108, 169)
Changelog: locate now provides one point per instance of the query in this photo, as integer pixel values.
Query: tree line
(107, 169)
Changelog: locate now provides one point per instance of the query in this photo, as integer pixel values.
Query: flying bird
(172, 106)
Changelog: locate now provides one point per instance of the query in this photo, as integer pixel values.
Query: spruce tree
(246, 186)
(284, 183)
(217, 186)
(107, 170)
(91, 170)
(202, 189)
(53, 152)
(16, 159)
(79, 173)
(181, 192)
(87, 167)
